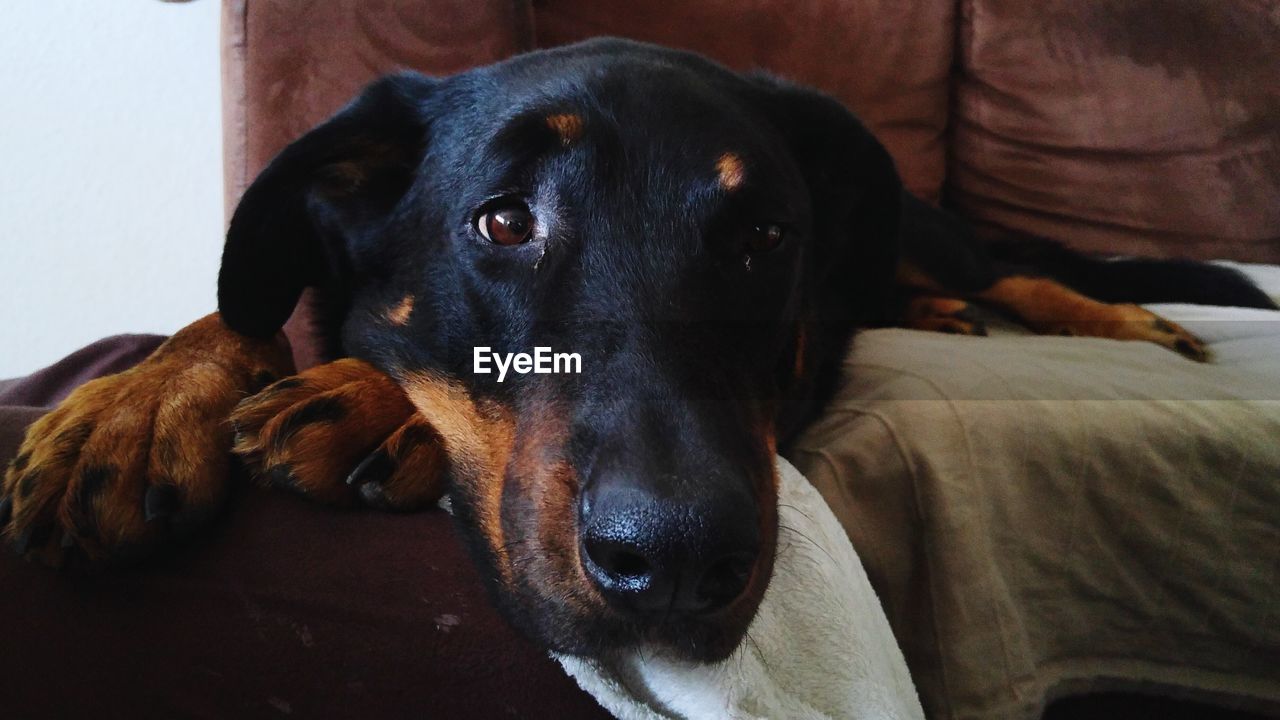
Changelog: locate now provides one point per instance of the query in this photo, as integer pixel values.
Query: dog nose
(649, 554)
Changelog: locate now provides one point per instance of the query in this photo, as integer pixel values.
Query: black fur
(946, 248)
(698, 351)
(1131, 280)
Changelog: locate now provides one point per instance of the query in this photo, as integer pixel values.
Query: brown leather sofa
(1142, 126)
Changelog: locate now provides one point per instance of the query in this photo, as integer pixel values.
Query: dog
(706, 244)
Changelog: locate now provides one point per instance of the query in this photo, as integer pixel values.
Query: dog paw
(342, 433)
(130, 460)
(942, 314)
(1176, 338)
(1131, 322)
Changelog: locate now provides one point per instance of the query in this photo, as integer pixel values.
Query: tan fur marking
(342, 177)
(731, 171)
(934, 306)
(545, 542)
(941, 314)
(1049, 307)
(399, 314)
(767, 502)
(364, 160)
(567, 125)
(909, 275)
(478, 442)
(802, 340)
(947, 325)
(1046, 305)
(561, 571)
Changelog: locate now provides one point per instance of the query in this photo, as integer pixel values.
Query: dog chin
(699, 642)
(606, 635)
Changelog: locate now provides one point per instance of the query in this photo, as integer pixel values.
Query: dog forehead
(635, 85)
(606, 120)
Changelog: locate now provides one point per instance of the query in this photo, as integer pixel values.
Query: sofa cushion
(1045, 516)
(1148, 127)
(889, 61)
(51, 385)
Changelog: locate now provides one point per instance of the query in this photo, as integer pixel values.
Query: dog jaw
(515, 496)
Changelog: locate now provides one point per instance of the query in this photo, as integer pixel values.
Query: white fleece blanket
(819, 647)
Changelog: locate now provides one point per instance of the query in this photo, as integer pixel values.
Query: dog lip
(699, 640)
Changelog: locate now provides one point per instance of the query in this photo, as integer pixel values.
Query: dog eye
(506, 226)
(765, 237)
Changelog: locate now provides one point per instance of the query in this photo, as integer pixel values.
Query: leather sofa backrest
(1144, 127)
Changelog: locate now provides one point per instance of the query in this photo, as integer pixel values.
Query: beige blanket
(1045, 515)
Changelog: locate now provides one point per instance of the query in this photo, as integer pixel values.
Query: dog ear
(856, 195)
(856, 198)
(290, 229)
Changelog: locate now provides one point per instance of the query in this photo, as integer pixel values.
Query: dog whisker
(810, 540)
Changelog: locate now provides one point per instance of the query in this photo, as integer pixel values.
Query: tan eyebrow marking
(567, 125)
(802, 340)
(731, 171)
(399, 314)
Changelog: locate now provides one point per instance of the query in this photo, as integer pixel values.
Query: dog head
(693, 249)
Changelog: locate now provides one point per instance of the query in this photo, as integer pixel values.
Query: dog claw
(1190, 350)
(377, 466)
(22, 542)
(32, 538)
(375, 496)
(281, 476)
(161, 500)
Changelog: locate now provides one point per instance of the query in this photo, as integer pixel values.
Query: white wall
(111, 179)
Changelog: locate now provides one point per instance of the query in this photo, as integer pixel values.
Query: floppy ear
(291, 228)
(856, 198)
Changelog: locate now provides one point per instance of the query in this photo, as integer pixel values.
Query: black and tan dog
(706, 242)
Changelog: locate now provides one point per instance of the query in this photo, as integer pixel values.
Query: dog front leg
(343, 433)
(130, 460)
